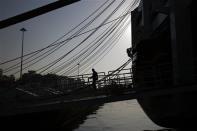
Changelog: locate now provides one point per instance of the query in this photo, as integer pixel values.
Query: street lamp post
(23, 30)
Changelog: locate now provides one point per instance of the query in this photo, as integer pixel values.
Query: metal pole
(23, 30)
(35, 12)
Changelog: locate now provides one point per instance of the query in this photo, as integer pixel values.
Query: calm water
(118, 116)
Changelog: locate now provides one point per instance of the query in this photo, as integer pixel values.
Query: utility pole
(23, 32)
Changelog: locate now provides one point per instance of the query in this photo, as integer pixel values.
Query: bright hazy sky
(45, 29)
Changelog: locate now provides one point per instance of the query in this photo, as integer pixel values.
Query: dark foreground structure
(66, 118)
(164, 56)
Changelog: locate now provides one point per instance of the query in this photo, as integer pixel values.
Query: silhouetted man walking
(94, 78)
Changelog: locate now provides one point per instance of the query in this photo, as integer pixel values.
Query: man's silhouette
(94, 78)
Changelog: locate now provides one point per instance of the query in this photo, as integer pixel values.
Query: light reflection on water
(118, 116)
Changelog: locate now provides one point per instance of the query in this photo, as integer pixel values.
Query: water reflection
(118, 116)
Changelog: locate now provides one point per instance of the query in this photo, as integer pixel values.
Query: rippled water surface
(118, 116)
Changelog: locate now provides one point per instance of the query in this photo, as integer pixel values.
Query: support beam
(35, 12)
(181, 41)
